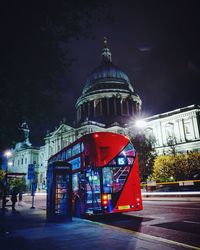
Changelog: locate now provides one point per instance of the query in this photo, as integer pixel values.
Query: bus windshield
(116, 172)
(114, 178)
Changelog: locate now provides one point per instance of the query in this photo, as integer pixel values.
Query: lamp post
(7, 154)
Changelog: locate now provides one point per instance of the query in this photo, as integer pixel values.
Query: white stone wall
(180, 127)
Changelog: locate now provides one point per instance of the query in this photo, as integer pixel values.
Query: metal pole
(32, 194)
(32, 201)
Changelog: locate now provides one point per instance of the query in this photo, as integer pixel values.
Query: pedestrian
(20, 199)
(14, 198)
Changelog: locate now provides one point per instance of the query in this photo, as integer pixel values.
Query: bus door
(93, 198)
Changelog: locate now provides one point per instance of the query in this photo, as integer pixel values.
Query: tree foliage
(19, 184)
(146, 154)
(2, 174)
(33, 48)
(179, 166)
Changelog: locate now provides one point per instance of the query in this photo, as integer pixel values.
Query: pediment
(63, 128)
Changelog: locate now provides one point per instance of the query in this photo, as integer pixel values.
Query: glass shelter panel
(61, 206)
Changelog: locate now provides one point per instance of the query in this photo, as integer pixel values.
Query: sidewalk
(27, 229)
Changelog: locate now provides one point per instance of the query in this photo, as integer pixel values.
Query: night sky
(156, 43)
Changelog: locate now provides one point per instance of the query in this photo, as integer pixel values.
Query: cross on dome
(106, 54)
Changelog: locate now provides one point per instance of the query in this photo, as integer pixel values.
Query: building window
(188, 130)
(169, 130)
(21, 160)
(18, 162)
(150, 135)
(25, 160)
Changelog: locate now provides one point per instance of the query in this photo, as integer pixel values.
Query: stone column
(195, 127)
(181, 130)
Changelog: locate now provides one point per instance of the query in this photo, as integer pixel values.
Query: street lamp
(7, 154)
(140, 123)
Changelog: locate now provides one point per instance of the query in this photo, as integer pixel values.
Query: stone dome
(108, 97)
(107, 76)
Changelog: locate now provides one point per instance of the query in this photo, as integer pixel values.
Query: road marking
(168, 206)
(147, 236)
(192, 222)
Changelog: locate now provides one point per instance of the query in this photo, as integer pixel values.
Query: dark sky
(157, 43)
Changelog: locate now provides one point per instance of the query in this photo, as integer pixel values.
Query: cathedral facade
(108, 103)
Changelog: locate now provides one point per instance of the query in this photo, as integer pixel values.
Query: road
(173, 220)
(177, 221)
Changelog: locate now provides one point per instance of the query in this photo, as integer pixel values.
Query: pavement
(27, 229)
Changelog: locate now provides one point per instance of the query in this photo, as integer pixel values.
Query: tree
(171, 143)
(33, 48)
(163, 168)
(180, 166)
(19, 184)
(2, 174)
(146, 154)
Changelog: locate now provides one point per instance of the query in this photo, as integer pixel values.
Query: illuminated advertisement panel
(76, 163)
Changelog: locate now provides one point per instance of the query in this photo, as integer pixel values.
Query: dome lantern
(106, 54)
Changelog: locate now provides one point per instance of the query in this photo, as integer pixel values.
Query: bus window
(93, 190)
(114, 178)
(75, 182)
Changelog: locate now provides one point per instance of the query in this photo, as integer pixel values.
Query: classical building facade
(179, 129)
(108, 103)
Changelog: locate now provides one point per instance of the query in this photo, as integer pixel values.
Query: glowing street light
(140, 123)
(7, 154)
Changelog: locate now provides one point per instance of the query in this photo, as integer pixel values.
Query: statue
(24, 127)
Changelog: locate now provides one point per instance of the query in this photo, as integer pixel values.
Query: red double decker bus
(105, 174)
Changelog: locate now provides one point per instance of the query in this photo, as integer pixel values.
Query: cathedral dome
(107, 76)
(108, 97)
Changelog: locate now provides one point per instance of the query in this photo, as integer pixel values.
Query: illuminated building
(108, 103)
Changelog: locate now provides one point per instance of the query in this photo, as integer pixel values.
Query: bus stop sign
(31, 171)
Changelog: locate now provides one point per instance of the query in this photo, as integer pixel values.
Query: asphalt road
(178, 221)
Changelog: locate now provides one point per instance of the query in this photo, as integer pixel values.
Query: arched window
(169, 130)
(149, 133)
